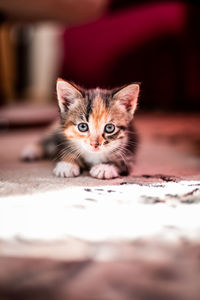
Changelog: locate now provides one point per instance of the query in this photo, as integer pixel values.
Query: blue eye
(109, 128)
(83, 127)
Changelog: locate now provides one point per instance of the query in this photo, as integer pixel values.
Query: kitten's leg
(32, 152)
(104, 171)
(131, 167)
(67, 168)
(126, 168)
(44, 147)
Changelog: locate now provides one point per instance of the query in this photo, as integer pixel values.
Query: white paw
(32, 152)
(65, 169)
(104, 171)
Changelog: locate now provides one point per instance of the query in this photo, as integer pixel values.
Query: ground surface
(83, 238)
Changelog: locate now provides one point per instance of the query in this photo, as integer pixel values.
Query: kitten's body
(96, 131)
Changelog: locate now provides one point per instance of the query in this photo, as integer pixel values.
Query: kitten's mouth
(95, 149)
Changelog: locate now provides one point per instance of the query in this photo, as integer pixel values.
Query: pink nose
(94, 144)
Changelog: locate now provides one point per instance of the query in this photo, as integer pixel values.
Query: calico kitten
(96, 132)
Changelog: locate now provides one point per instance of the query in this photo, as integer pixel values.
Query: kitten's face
(101, 130)
(95, 121)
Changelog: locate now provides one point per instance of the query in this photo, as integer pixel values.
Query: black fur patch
(89, 107)
(121, 127)
(113, 136)
(106, 98)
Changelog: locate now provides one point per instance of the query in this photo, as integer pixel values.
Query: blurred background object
(67, 11)
(30, 59)
(31, 54)
(101, 43)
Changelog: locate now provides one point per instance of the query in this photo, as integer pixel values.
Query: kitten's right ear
(66, 94)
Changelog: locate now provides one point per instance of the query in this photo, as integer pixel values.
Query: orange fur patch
(99, 113)
(71, 133)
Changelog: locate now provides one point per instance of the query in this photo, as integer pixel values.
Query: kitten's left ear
(128, 96)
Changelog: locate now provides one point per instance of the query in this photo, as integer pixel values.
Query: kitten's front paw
(65, 169)
(104, 171)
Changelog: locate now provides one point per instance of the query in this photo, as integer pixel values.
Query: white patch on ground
(104, 171)
(166, 211)
(65, 169)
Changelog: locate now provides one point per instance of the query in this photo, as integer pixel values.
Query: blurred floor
(122, 239)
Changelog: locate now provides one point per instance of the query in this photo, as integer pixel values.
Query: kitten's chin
(95, 150)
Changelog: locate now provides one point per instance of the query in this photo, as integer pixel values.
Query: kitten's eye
(83, 127)
(109, 128)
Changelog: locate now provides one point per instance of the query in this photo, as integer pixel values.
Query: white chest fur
(95, 158)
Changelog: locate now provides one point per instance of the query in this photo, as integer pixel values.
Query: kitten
(96, 132)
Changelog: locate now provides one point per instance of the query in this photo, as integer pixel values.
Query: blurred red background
(153, 42)
(104, 43)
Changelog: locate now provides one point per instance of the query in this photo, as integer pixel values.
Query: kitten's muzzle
(95, 145)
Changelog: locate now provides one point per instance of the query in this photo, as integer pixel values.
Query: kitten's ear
(66, 94)
(128, 96)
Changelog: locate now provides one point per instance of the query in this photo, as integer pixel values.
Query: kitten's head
(96, 120)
